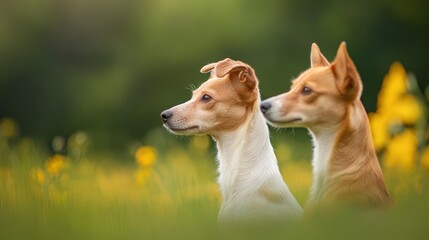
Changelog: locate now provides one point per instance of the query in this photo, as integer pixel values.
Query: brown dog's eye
(306, 91)
(206, 98)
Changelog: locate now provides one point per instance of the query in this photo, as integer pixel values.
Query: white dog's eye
(306, 91)
(206, 98)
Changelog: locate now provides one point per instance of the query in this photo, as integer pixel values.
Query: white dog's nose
(265, 106)
(167, 114)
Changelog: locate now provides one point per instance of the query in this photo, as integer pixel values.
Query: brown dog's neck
(345, 159)
(353, 145)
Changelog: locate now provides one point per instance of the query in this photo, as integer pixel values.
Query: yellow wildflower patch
(407, 110)
(394, 86)
(397, 109)
(55, 164)
(379, 129)
(401, 151)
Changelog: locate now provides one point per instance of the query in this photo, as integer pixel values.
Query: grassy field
(169, 190)
(164, 187)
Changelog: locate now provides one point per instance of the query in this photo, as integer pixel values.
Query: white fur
(323, 143)
(247, 164)
(251, 185)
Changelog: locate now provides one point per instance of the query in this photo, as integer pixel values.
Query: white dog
(226, 107)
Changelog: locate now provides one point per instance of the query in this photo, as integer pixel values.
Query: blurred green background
(109, 67)
(83, 154)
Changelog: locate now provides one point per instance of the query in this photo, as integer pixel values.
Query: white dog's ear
(227, 66)
(347, 77)
(207, 68)
(245, 74)
(316, 57)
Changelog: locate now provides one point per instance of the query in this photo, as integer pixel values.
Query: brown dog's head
(222, 103)
(319, 96)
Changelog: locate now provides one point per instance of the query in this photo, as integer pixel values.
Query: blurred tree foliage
(112, 66)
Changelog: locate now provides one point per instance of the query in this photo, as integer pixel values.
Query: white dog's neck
(249, 178)
(246, 158)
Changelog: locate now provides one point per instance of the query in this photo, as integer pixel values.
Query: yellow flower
(407, 110)
(145, 156)
(8, 128)
(379, 129)
(394, 86)
(425, 159)
(401, 151)
(55, 164)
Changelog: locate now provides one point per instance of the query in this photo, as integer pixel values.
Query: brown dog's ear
(347, 77)
(316, 57)
(245, 74)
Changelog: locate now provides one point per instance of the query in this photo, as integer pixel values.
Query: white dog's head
(222, 103)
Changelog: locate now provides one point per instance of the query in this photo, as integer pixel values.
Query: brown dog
(326, 100)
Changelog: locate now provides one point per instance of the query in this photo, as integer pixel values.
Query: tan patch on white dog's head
(222, 103)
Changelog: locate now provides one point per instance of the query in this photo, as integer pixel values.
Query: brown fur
(333, 108)
(354, 174)
(233, 88)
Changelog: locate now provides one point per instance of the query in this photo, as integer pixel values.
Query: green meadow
(169, 191)
(83, 154)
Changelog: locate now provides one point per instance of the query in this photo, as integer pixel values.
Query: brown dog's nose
(167, 114)
(265, 106)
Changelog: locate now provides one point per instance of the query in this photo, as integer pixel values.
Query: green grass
(96, 196)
